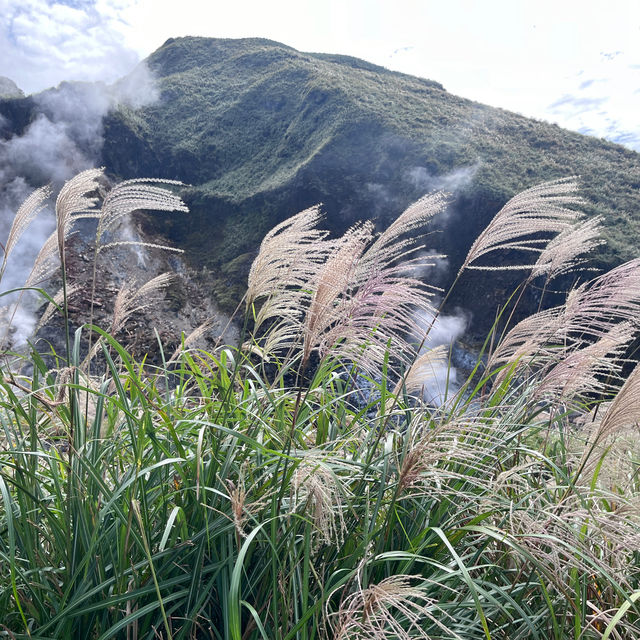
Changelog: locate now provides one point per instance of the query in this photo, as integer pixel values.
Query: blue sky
(569, 62)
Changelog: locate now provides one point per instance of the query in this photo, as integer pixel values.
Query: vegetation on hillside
(301, 484)
(262, 131)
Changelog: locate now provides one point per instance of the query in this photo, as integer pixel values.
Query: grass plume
(216, 495)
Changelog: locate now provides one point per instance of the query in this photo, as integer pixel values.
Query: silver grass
(133, 195)
(353, 297)
(589, 370)
(135, 243)
(425, 367)
(281, 336)
(589, 315)
(364, 301)
(623, 412)
(73, 199)
(47, 261)
(395, 607)
(528, 222)
(331, 286)
(72, 203)
(288, 259)
(398, 240)
(439, 456)
(576, 532)
(376, 318)
(131, 299)
(315, 486)
(28, 210)
(619, 451)
(562, 253)
(612, 297)
(193, 337)
(58, 300)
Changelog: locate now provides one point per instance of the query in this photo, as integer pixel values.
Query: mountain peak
(9, 89)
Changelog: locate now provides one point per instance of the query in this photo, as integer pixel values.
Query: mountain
(9, 89)
(261, 131)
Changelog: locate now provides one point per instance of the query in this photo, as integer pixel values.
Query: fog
(65, 138)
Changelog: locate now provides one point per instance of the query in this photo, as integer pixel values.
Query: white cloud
(44, 43)
(603, 100)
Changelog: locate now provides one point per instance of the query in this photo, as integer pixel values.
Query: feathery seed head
(395, 607)
(27, 211)
(528, 222)
(316, 486)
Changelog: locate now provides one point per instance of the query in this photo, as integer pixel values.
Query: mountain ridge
(261, 131)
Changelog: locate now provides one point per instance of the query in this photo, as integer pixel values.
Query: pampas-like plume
(395, 607)
(316, 486)
(193, 337)
(588, 316)
(57, 302)
(375, 315)
(424, 368)
(331, 286)
(28, 210)
(527, 222)
(561, 254)
(72, 203)
(353, 297)
(130, 300)
(133, 195)
(398, 240)
(589, 370)
(72, 200)
(48, 259)
(288, 259)
(622, 413)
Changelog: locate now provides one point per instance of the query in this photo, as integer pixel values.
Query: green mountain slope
(261, 131)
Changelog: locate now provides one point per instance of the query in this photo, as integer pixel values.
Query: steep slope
(261, 131)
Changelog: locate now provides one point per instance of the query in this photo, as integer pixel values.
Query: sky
(573, 63)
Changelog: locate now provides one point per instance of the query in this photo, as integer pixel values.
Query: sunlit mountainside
(260, 131)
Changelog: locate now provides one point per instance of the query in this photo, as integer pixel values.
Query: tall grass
(250, 492)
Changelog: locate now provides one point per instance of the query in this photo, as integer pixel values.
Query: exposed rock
(175, 312)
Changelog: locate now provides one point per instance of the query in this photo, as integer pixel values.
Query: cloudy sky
(576, 63)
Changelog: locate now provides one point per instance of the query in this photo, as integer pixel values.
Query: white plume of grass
(289, 257)
(425, 368)
(331, 286)
(352, 298)
(395, 607)
(57, 301)
(135, 195)
(132, 299)
(399, 239)
(27, 211)
(73, 200)
(72, 203)
(584, 338)
(562, 254)
(528, 222)
(47, 261)
(316, 488)
(622, 413)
